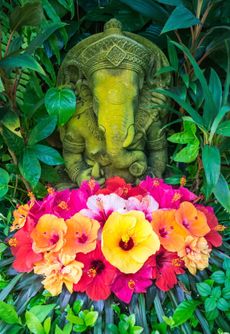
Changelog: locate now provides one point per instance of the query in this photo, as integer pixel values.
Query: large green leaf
(8, 313)
(14, 142)
(61, 102)
(30, 14)
(186, 106)
(148, 8)
(30, 167)
(42, 130)
(211, 162)
(215, 87)
(44, 35)
(184, 311)
(4, 180)
(48, 155)
(224, 129)
(180, 18)
(23, 60)
(210, 107)
(42, 311)
(222, 193)
(34, 324)
(223, 111)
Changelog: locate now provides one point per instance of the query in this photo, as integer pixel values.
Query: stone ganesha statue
(117, 126)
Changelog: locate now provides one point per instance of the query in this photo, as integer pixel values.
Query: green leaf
(137, 330)
(30, 167)
(226, 263)
(204, 289)
(34, 324)
(148, 8)
(184, 311)
(42, 130)
(222, 193)
(77, 305)
(223, 305)
(180, 18)
(186, 106)
(48, 155)
(216, 292)
(189, 153)
(42, 311)
(212, 315)
(47, 325)
(91, 318)
(226, 292)
(30, 14)
(186, 136)
(44, 35)
(210, 304)
(223, 111)
(218, 277)
(61, 102)
(171, 2)
(113, 329)
(215, 88)
(14, 142)
(210, 106)
(23, 60)
(8, 313)
(4, 180)
(224, 129)
(211, 161)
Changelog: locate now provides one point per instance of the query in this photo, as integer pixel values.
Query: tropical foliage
(34, 38)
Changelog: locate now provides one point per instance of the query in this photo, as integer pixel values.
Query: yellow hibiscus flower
(128, 240)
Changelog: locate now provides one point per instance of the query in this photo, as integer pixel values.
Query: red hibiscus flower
(126, 284)
(21, 248)
(98, 275)
(118, 186)
(213, 237)
(165, 268)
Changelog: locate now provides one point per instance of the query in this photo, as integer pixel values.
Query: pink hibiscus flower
(146, 204)
(125, 285)
(100, 207)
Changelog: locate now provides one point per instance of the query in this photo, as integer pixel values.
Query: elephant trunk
(119, 134)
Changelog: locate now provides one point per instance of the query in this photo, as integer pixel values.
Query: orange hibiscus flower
(81, 235)
(192, 219)
(171, 234)
(58, 273)
(48, 234)
(195, 253)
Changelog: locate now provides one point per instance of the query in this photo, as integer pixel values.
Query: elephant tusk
(129, 136)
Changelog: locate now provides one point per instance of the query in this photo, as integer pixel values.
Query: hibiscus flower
(81, 235)
(125, 285)
(58, 272)
(98, 275)
(117, 185)
(213, 237)
(195, 253)
(128, 240)
(165, 268)
(171, 234)
(100, 207)
(21, 248)
(192, 219)
(48, 234)
(146, 204)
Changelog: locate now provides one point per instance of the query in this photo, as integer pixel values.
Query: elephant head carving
(116, 129)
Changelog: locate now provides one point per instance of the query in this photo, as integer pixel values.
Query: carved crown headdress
(112, 49)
